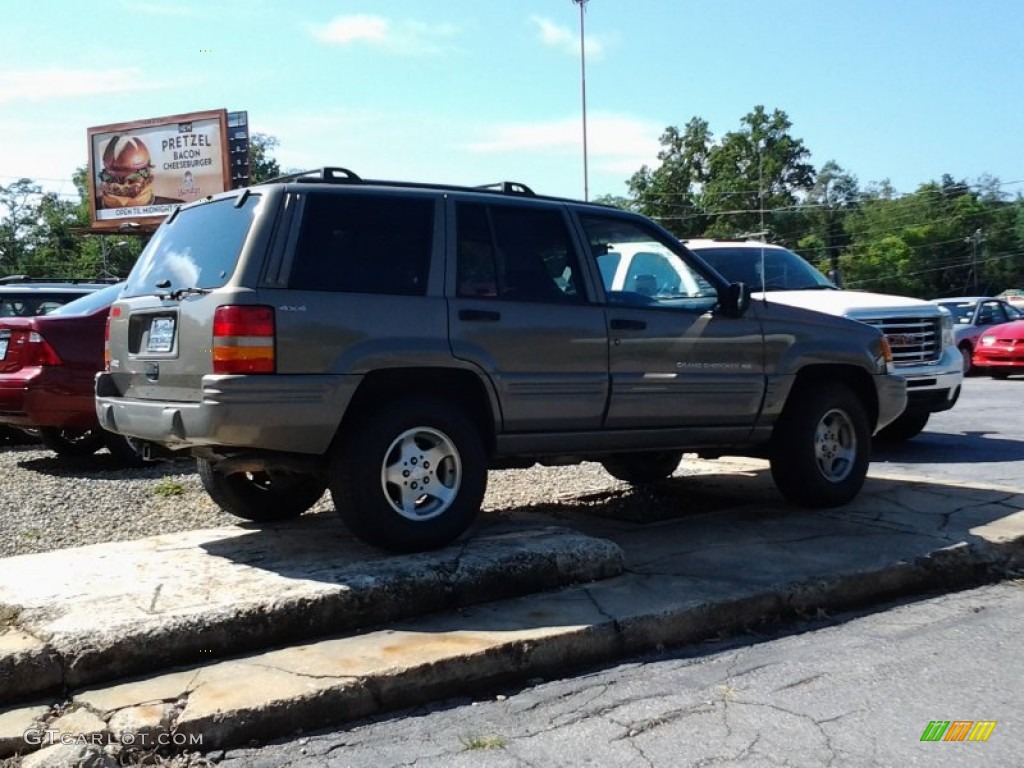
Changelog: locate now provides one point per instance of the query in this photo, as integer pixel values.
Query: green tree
(672, 193)
(834, 194)
(19, 203)
(262, 166)
(755, 177)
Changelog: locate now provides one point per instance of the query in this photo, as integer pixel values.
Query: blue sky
(477, 91)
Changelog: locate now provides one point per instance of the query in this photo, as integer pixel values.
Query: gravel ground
(49, 502)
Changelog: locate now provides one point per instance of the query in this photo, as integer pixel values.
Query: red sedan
(1000, 350)
(47, 367)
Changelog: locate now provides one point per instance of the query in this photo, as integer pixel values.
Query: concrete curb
(281, 692)
(208, 594)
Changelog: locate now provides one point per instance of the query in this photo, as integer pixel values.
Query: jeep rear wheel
(821, 446)
(411, 477)
(72, 442)
(262, 497)
(644, 467)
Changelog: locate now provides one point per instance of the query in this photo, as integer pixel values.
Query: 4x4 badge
(286, 308)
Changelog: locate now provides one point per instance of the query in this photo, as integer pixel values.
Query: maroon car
(47, 366)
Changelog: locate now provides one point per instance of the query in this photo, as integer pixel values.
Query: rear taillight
(37, 351)
(243, 339)
(114, 312)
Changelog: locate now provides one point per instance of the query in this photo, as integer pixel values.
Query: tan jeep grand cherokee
(392, 341)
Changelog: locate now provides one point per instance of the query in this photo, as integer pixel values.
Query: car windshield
(771, 268)
(91, 302)
(962, 311)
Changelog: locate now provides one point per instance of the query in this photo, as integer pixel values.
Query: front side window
(364, 244)
(638, 268)
(518, 254)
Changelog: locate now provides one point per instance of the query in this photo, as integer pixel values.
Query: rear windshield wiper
(181, 293)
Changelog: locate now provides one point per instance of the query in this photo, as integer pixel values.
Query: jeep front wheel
(821, 447)
(411, 477)
(262, 497)
(644, 467)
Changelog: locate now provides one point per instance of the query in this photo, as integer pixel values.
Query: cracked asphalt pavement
(851, 690)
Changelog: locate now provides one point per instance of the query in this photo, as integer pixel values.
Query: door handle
(621, 324)
(479, 315)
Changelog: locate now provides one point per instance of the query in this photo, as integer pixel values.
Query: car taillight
(114, 312)
(37, 351)
(243, 339)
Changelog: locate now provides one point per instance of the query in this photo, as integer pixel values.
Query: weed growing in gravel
(483, 742)
(168, 488)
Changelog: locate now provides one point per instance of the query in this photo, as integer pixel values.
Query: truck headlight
(948, 339)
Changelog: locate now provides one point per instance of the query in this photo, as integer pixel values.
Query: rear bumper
(291, 414)
(47, 397)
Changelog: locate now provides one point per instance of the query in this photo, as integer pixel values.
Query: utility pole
(583, 90)
(975, 240)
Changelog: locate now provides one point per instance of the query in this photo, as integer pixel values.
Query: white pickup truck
(920, 333)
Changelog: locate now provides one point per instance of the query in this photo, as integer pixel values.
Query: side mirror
(736, 300)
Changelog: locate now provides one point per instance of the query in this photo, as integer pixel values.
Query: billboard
(138, 171)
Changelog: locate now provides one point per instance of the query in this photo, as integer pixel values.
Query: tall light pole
(583, 95)
(975, 240)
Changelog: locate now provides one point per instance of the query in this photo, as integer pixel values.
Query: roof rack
(325, 175)
(509, 188)
(70, 280)
(338, 175)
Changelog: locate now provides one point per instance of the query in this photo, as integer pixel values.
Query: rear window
(33, 303)
(91, 302)
(198, 249)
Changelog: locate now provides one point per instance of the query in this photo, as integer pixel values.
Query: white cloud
(611, 136)
(57, 82)
(406, 37)
(565, 39)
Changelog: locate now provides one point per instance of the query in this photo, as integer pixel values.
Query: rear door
(521, 313)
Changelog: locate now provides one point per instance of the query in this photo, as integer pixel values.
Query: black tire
(122, 451)
(16, 436)
(968, 358)
(909, 424)
(821, 446)
(999, 375)
(263, 497)
(411, 476)
(644, 467)
(71, 442)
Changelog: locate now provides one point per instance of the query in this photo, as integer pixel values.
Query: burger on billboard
(140, 170)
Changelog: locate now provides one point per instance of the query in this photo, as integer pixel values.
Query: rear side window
(519, 254)
(364, 244)
(33, 304)
(199, 248)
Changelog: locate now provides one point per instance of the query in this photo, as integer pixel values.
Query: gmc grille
(914, 340)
